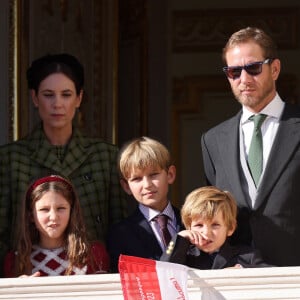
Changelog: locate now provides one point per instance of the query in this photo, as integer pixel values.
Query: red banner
(147, 279)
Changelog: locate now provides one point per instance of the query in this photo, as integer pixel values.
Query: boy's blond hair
(206, 202)
(141, 153)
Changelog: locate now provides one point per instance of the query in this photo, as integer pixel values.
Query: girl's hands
(36, 274)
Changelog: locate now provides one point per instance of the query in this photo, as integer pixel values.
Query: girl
(52, 238)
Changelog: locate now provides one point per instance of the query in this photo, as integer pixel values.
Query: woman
(55, 146)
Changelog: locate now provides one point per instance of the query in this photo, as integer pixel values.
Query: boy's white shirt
(150, 214)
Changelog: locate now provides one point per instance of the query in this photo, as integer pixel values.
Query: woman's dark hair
(55, 63)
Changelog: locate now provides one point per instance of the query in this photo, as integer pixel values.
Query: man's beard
(254, 101)
(247, 100)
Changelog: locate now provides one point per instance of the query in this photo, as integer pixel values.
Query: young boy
(209, 216)
(146, 170)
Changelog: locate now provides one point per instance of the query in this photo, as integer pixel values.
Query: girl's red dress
(53, 262)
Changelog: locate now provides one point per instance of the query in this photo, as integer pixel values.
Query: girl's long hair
(75, 240)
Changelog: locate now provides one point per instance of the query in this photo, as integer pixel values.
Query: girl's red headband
(50, 178)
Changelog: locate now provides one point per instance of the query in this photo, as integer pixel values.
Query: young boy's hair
(206, 202)
(141, 153)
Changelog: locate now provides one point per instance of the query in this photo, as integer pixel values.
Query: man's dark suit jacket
(134, 236)
(181, 251)
(273, 224)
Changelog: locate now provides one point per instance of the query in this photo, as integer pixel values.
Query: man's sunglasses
(253, 69)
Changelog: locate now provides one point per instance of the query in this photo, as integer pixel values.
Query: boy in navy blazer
(147, 171)
(209, 215)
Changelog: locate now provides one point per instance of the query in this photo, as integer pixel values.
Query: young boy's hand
(194, 237)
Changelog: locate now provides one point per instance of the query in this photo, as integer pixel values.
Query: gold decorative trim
(14, 47)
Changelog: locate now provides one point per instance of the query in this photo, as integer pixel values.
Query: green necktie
(255, 156)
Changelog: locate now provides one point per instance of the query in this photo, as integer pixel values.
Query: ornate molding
(205, 30)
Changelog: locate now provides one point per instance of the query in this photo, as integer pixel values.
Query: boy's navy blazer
(134, 236)
(181, 251)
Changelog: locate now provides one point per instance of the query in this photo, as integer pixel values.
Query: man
(268, 195)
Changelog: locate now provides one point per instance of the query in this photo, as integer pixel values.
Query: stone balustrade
(264, 283)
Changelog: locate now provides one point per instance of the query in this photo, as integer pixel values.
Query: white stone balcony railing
(264, 283)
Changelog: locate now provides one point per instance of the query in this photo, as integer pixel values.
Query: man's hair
(141, 153)
(206, 202)
(256, 35)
